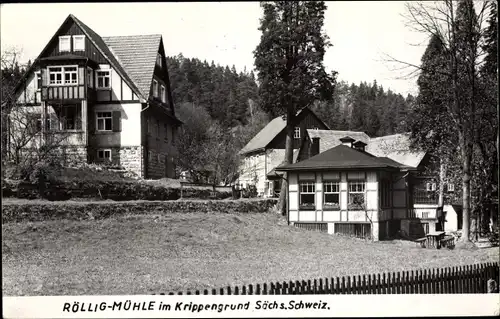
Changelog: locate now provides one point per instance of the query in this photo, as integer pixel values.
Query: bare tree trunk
(442, 175)
(290, 124)
(466, 149)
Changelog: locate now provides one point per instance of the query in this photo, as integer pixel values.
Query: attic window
(155, 88)
(158, 59)
(163, 96)
(78, 43)
(103, 79)
(64, 43)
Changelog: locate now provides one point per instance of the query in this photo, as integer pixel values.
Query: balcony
(63, 93)
(424, 197)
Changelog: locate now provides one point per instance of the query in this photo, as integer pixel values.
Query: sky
(363, 33)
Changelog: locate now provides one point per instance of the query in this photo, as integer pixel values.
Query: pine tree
(289, 60)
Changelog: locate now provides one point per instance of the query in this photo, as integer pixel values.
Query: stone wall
(130, 158)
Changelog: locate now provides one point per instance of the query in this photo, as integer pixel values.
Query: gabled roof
(132, 57)
(397, 148)
(331, 138)
(341, 157)
(269, 132)
(137, 54)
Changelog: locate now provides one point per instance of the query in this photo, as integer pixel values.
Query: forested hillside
(232, 99)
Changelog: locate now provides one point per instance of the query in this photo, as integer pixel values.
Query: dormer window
(78, 43)
(158, 59)
(65, 43)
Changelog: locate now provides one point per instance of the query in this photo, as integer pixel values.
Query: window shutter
(117, 121)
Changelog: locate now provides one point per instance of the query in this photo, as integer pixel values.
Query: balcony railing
(425, 197)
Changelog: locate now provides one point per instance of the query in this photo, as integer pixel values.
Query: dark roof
(108, 54)
(269, 132)
(346, 139)
(65, 57)
(120, 53)
(360, 143)
(341, 157)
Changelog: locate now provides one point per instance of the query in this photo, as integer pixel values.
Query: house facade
(101, 99)
(266, 151)
(366, 188)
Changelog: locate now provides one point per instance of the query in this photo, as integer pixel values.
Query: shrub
(41, 211)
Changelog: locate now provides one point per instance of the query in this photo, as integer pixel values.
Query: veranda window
(103, 79)
(63, 75)
(331, 192)
(356, 195)
(307, 195)
(385, 193)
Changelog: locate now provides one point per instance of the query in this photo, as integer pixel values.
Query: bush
(41, 211)
(249, 192)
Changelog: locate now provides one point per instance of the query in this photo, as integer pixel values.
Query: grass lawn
(138, 254)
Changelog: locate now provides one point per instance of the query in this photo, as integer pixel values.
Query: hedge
(42, 210)
(114, 190)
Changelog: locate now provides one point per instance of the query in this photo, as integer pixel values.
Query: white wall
(30, 94)
(130, 134)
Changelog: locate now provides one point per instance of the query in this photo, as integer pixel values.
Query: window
(64, 43)
(431, 187)
(70, 75)
(296, 133)
(315, 128)
(90, 78)
(158, 158)
(451, 187)
(63, 75)
(158, 59)
(163, 94)
(103, 79)
(155, 88)
(356, 195)
(104, 155)
(38, 76)
(150, 155)
(331, 192)
(78, 43)
(69, 118)
(307, 195)
(385, 193)
(55, 75)
(104, 121)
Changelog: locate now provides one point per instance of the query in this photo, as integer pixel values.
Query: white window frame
(90, 77)
(163, 93)
(103, 74)
(307, 188)
(38, 75)
(450, 187)
(63, 73)
(296, 132)
(78, 37)
(65, 49)
(159, 59)
(150, 156)
(104, 151)
(430, 187)
(155, 88)
(102, 117)
(356, 187)
(331, 187)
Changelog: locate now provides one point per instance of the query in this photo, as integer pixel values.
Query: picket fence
(450, 280)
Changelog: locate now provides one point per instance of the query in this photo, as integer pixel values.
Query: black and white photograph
(168, 149)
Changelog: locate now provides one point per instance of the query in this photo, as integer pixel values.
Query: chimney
(347, 141)
(315, 146)
(360, 146)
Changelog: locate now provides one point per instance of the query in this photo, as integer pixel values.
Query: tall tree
(458, 28)
(289, 61)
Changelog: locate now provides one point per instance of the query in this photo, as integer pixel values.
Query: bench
(448, 242)
(421, 242)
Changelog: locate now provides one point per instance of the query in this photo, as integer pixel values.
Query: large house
(366, 187)
(266, 150)
(102, 99)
